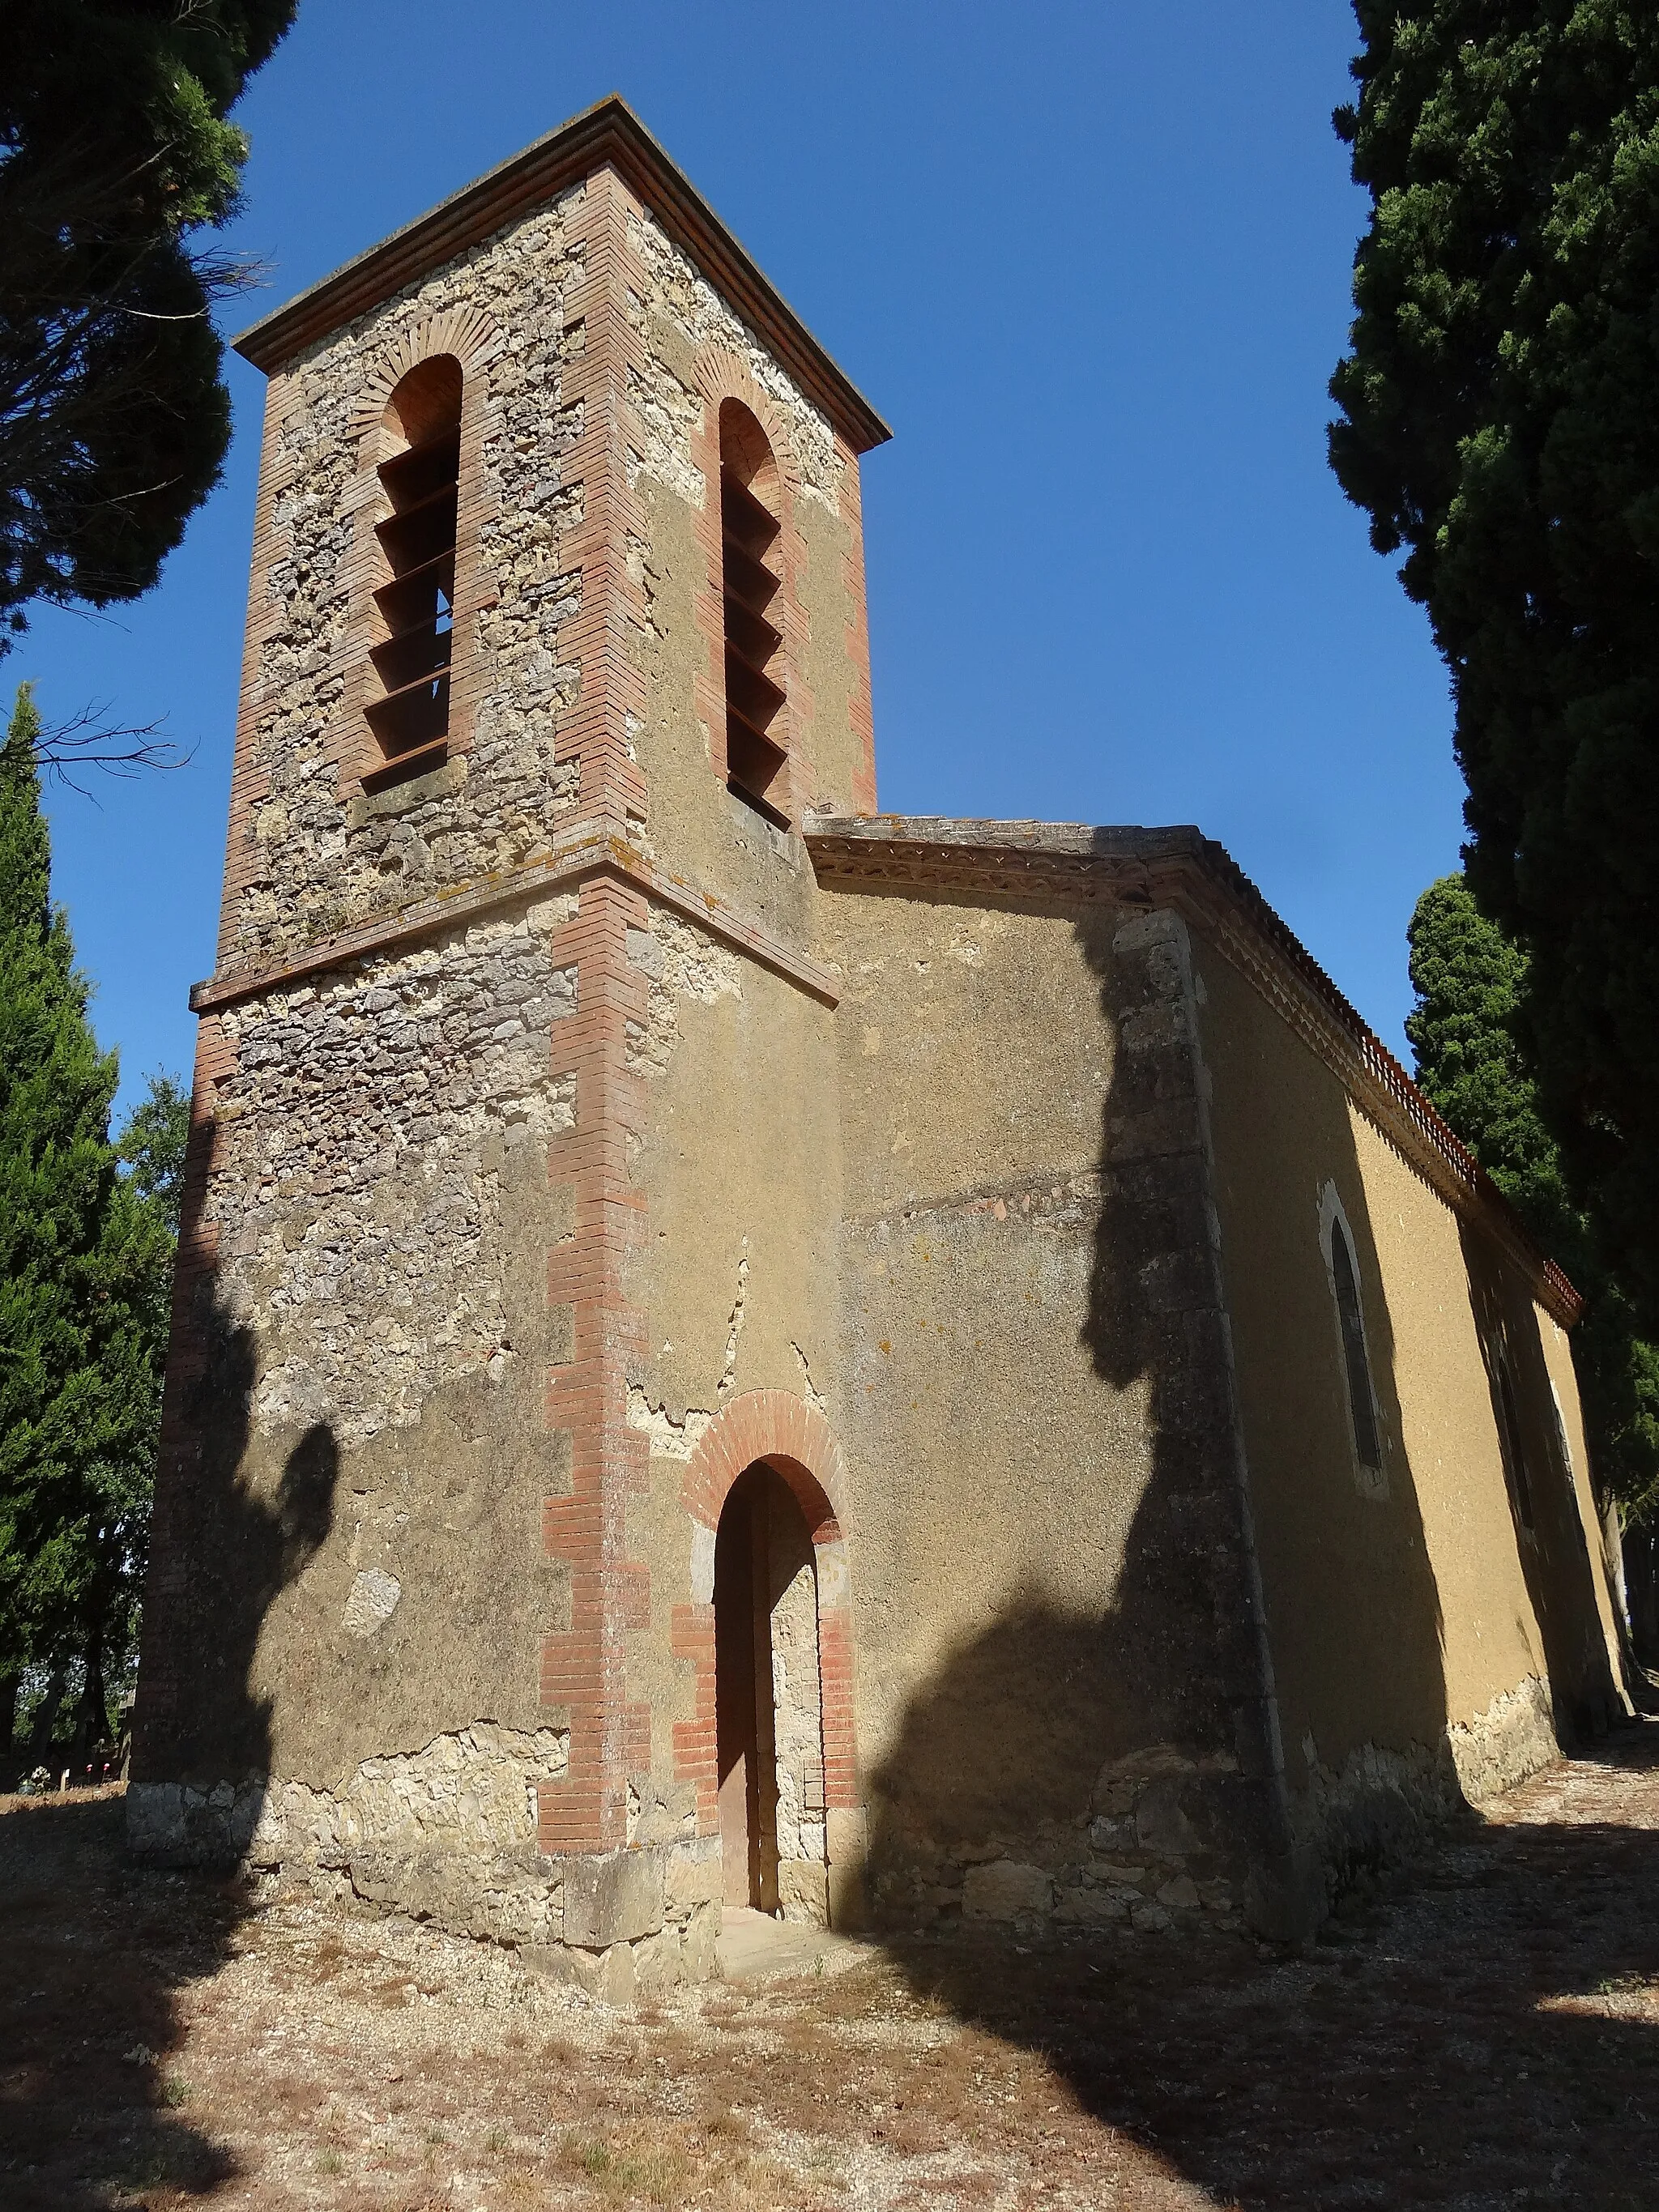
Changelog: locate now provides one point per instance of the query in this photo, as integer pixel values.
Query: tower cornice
(606, 134)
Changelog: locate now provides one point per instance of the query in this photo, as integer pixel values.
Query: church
(733, 1349)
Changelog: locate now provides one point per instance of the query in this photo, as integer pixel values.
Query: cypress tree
(59, 1416)
(1500, 424)
(129, 1321)
(1467, 1033)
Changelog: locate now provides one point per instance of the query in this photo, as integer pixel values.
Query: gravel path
(1487, 2035)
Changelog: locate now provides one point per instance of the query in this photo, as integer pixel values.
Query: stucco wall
(733, 1276)
(1409, 1656)
(1037, 1677)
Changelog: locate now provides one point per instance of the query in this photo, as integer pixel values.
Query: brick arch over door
(797, 1443)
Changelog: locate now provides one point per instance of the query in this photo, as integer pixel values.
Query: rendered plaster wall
(310, 853)
(1598, 1518)
(1040, 1718)
(1410, 1662)
(356, 1580)
(1561, 1552)
(737, 1160)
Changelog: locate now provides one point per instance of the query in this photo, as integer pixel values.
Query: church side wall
(1412, 1665)
(1598, 1519)
(1037, 1424)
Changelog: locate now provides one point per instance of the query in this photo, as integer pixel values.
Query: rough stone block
(612, 1897)
(847, 1833)
(1161, 1823)
(155, 1818)
(657, 1963)
(1091, 1908)
(804, 1892)
(699, 1951)
(1006, 1890)
(691, 1877)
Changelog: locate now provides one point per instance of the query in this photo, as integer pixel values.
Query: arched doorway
(768, 1700)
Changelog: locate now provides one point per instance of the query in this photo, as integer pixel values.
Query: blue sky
(1091, 263)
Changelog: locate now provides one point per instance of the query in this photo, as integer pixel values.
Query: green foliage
(151, 1146)
(1470, 983)
(86, 1264)
(114, 150)
(57, 1172)
(1500, 423)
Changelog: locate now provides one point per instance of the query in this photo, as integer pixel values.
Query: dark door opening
(744, 1720)
(768, 1710)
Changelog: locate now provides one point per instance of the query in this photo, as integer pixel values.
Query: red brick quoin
(797, 1443)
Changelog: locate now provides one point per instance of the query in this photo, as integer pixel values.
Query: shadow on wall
(99, 1947)
(1124, 1765)
(1555, 1557)
(241, 1525)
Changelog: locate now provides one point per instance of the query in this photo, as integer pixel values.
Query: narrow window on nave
(1362, 1404)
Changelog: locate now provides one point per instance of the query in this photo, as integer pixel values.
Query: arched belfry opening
(414, 598)
(768, 1700)
(756, 735)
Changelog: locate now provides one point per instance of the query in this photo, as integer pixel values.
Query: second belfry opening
(756, 751)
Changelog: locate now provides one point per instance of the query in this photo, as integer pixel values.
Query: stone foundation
(448, 1835)
(1140, 1858)
(1381, 1805)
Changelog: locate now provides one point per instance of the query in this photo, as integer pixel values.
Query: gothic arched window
(414, 600)
(1362, 1404)
(750, 579)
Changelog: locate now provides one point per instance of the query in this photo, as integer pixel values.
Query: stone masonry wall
(677, 313)
(359, 1192)
(319, 856)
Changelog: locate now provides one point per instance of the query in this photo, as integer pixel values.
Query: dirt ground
(1488, 2036)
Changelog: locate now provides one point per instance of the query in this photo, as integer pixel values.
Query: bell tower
(555, 637)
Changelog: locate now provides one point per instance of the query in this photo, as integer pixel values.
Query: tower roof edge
(608, 131)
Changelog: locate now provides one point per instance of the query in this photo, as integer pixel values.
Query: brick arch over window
(795, 1441)
(720, 376)
(470, 333)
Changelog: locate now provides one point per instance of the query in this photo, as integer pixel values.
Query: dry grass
(1486, 2039)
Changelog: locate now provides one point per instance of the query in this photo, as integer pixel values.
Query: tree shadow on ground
(1490, 2038)
(100, 1952)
